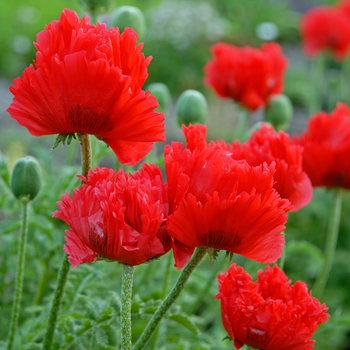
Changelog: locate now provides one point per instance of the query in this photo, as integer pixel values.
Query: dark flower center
(86, 120)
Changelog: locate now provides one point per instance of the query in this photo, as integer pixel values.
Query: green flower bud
(191, 107)
(131, 17)
(279, 112)
(26, 178)
(161, 92)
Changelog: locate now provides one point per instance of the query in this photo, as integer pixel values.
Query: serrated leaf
(185, 321)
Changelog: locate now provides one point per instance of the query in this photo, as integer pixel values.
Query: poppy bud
(279, 112)
(131, 17)
(161, 92)
(191, 107)
(26, 178)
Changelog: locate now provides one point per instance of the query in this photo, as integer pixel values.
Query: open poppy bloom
(269, 314)
(247, 75)
(88, 79)
(326, 28)
(326, 143)
(267, 145)
(221, 203)
(116, 216)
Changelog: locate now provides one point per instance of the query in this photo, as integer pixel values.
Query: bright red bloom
(326, 28)
(116, 216)
(88, 79)
(267, 145)
(326, 145)
(247, 75)
(270, 314)
(221, 203)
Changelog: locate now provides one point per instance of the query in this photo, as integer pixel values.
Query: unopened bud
(131, 17)
(161, 92)
(191, 107)
(26, 178)
(279, 112)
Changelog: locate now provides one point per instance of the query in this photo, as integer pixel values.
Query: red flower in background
(247, 75)
(88, 79)
(326, 28)
(267, 145)
(116, 216)
(270, 314)
(326, 142)
(221, 203)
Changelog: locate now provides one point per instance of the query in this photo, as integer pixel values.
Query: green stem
(318, 71)
(240, 132)
(127, 279)
(163, 295)
(86, 153)
(85, 143)
(19, 279)
(201, 294)
(43, 280)
(56, 303)
(170, 299)
(330, 246)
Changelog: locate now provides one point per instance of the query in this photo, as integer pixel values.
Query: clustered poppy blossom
(88, 79)
(116, 216)
(249, 76)
(267, 145)
(221, 203)
(326, 28)
(326, 143)
(269, 314)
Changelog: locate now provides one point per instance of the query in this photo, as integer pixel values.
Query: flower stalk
(86, 152)
(19, 279)
(170, 299)
(126, 331)
(330, 246)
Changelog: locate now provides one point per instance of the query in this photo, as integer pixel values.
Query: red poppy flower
(88, 79)
(326, 28)
(270, 314)
(267, 145)
(221, 203)
(326, 145)
(248, 75)
(116, 216)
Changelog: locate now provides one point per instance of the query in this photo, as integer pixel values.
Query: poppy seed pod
(279, 112)
(26, 178)
(131, 17)
(191, 107)
(161, 92)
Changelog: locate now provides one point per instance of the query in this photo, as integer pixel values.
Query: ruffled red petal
(326, 144)
(247, 75)
(88, 79)
(269, 314)
(117, 217)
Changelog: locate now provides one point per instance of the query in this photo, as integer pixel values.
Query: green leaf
(185, 321)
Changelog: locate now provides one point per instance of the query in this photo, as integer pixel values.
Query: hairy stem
(19, 279)
(126, 331)
(170, 299)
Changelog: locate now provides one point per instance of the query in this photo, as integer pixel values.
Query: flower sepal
(63, 137)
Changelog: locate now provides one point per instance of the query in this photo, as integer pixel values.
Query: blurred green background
(178, 36)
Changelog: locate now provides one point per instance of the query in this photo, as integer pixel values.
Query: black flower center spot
(86, 120)
(220, 239)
